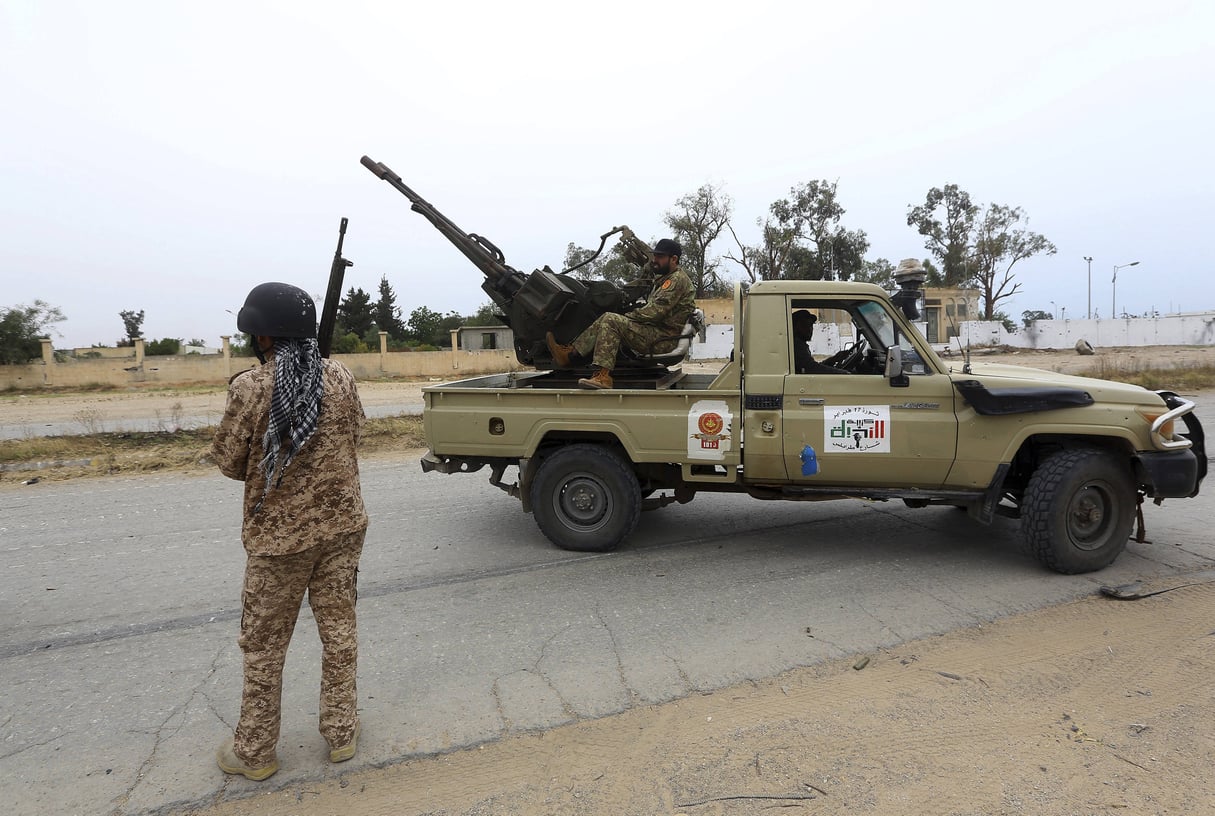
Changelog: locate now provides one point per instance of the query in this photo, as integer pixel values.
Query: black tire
(586, 498)
(1077, 511)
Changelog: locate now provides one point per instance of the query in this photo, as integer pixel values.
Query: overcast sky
(169, 156)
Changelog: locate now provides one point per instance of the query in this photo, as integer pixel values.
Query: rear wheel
(1077, 511)
(586, 498)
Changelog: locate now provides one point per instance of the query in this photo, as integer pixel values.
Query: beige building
(944, 311)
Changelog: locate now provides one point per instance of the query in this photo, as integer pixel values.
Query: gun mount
(542, 301)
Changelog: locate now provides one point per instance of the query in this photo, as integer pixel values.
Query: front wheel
(1077, 511)
(586, 498)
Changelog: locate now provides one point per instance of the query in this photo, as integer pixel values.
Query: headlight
(1153, 414)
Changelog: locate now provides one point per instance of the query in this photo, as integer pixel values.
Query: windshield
(879, 321)
(882, 327)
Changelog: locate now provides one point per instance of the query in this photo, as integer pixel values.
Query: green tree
(879, 271)
(1028, 317)
(612, 266)
(486, 315)
(947, 220)
(998, 246)
(21, 328)
(166, 347)
(354, 314)
(132, 324)
(449, 321)
(697, 220)
(349, 343)
(802, 238)
(387, 313)
(239, 345)
(423, 325)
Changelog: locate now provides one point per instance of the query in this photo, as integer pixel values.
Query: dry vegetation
(1136, 372)
(97, 454)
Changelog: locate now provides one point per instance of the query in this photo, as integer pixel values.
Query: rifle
(333, 294)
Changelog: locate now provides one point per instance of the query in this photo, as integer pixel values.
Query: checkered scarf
(295, 406)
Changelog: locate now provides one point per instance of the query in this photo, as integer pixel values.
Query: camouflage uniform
(664, 315)
(308, 535)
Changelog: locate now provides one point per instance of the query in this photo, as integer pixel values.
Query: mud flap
(1140, 530)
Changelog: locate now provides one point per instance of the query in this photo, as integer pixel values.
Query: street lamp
(1114, 291)
(1089, 258)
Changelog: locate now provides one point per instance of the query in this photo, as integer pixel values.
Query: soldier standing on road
(652, 329)
(289, 432)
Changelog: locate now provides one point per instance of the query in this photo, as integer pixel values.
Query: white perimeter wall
(1170, 330)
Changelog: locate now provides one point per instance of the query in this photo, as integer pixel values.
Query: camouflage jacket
(670, 303)
(320, 494)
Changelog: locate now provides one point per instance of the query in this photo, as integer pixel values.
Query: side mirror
(894, 368)
(894, 362)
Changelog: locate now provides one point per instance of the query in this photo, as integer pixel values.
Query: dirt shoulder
(1098, 706)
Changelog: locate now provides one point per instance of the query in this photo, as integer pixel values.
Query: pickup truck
(1072, 458)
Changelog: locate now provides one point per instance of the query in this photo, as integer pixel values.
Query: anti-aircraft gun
(543, 301)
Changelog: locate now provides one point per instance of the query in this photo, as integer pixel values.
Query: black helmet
(278, 310)
(668, 246)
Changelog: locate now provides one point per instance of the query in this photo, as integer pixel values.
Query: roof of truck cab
(815, 287)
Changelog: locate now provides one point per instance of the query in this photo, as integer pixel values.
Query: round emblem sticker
(709, 423)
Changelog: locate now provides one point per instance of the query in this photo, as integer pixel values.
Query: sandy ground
(1095, 707)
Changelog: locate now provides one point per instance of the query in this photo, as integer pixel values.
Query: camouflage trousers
(274, 588)
(609, 330)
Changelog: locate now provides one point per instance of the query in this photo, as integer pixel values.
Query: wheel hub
(584, 502)
(1087, 516)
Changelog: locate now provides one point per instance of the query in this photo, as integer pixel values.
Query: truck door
(856, 426)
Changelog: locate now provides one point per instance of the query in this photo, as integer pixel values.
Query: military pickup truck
(1073, 458)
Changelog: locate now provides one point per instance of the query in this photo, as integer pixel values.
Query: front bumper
(1176, 470)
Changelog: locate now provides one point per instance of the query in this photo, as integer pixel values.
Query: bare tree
(801, 237)
(998, 246)
(697, 220)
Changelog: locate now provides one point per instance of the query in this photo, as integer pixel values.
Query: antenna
(965, 352)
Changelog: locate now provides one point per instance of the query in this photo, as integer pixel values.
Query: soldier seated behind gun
(803, 361)
(651, 329)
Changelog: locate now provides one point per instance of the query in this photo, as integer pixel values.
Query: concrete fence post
(138, 352)
(48, 361)
(455, 347)
(383, 351)
(226, 341)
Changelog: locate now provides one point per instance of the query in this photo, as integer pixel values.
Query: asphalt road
(119, 598)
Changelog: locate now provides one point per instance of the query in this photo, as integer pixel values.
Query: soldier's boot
(562, 352)
(230, 763)
(346, 751)
(602, 378)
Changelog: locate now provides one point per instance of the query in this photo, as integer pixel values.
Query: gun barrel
(484, 255)
(337, 271)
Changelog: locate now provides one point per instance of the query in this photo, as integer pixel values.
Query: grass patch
(1171, 378)
(95, 454)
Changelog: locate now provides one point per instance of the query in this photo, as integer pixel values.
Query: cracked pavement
(120, 601)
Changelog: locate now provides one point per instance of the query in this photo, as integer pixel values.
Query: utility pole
(1089, 258)
(1114, 288)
